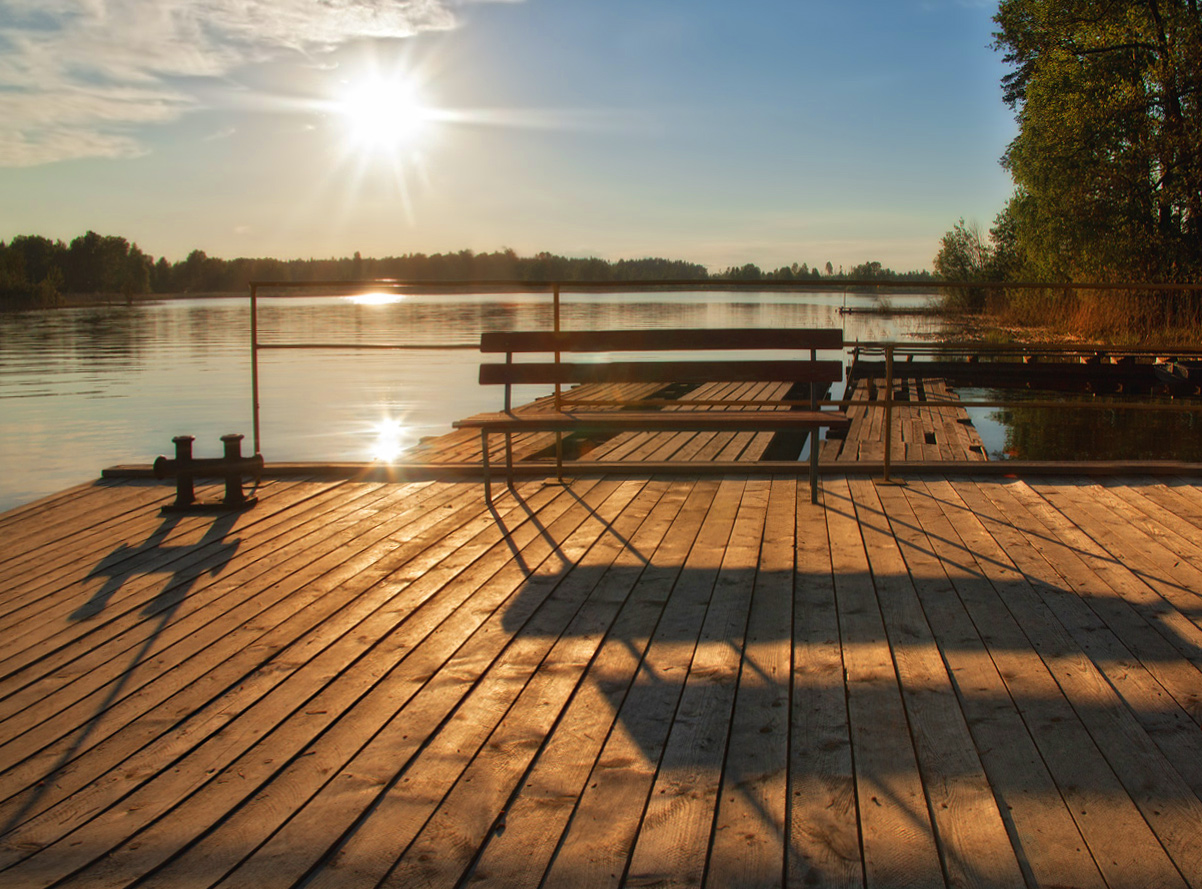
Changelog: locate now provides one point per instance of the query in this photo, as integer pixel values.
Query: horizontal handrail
(712, 284)
(1154, 407)
(662, 339)
(416, 346)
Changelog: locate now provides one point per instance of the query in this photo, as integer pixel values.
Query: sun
(382, 114)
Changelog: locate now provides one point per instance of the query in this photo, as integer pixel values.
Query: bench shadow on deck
(621, 681)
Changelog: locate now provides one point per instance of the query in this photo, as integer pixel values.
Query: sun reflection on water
(375, 298)
(389, 442)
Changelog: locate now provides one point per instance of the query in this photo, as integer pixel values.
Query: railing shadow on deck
(663, 700)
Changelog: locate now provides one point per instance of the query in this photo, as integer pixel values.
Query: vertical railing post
(888, 424)
(254, 363)
(558, 391)
(814, 442)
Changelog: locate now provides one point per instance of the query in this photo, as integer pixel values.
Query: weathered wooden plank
(60, 562)
(675, 835)
(520, 848)
(641, 445)
(295, 716)
(948, 583)
(361, 701)
(481, 803)
(658, 339)
(139, 548)
(1158, 511)
(234, 659)
(65, 517)
(1115, 648)
(859, 416)
(1166, 643)
(232, 688)
(121, 610)
(206, 597)
(537, 373)
(19, 515)
(897, 837)
(971, 835)
(596, 848)
(750, 829)
(1181, 498)
(393, 785)
(1161, 566)
(753, 447)
(823, 835)
(1123, 844)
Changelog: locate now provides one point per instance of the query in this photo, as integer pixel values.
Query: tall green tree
(1108, 158)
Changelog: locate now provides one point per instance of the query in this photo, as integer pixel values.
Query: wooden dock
(928, 423)
(652, 681)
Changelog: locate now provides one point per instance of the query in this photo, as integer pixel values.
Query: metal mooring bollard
(233, 478)
(231, 467)
(185, 493)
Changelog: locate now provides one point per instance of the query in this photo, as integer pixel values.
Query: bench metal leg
(814, 465)
(487, 467)
(509, 460)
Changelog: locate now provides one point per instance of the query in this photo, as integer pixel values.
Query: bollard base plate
(890, 482)
(208, 507)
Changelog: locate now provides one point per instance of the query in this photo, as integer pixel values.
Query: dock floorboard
(621, 680)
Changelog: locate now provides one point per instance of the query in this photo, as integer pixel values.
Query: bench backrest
(661, 340)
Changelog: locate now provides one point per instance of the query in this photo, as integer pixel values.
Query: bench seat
(560, 417)
(680, 420)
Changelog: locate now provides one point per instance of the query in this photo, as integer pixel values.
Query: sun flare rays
(383, 114)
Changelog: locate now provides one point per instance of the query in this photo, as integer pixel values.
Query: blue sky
(719, 132)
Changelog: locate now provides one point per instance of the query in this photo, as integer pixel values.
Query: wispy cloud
(78, 78)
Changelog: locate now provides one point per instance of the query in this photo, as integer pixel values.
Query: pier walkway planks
(692, 681)
(928, 425)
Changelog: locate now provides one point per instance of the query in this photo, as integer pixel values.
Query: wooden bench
(587, 415)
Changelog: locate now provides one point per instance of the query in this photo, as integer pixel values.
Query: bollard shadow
(155, 556)
(182, 566)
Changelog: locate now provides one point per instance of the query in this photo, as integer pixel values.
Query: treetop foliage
(1107, 163)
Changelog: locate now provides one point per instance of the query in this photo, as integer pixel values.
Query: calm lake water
(82, 389)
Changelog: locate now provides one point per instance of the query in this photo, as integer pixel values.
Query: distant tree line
(867, 271)
(38, 271)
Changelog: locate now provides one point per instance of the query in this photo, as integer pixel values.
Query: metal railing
(888, 350)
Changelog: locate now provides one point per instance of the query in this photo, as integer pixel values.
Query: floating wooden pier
(927, 424)
(618, 681)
